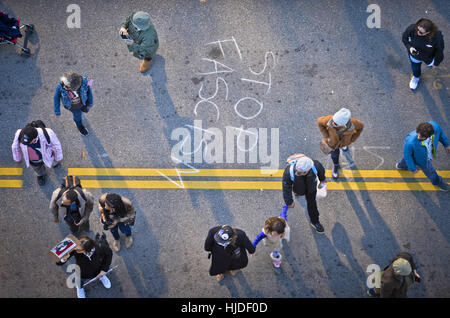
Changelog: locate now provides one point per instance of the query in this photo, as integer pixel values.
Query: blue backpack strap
(314, 170)
(292, 172)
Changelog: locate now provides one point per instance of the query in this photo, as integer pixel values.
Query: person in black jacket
(94, 261)
(228, 247)
(397, 278)
(300, 177)
(425, 43)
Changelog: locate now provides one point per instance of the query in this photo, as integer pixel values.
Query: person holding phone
(141, 38)
(425, 43)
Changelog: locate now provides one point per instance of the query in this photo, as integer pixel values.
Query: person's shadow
(343, 282)
(142, 259)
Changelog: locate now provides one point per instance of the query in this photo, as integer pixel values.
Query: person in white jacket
(39, 147)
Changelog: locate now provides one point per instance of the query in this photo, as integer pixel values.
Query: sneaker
(414, 82)
(41, 180)
(397, 166)
(105, 281)
(444, 187)
(335, 172)
(81, 293)
(318, 227)
(116, 245)
(83, 130)
(128, 241)
(372, 292)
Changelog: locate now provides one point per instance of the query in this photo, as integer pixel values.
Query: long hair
(429, 26)
(115, 201)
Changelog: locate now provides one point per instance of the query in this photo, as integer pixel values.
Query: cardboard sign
(64, 247)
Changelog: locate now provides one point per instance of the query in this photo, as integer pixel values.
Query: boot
(145, 65)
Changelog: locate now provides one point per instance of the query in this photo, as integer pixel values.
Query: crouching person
(93, 260)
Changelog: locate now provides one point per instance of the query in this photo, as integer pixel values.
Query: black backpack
(71, 182)
(36, 124)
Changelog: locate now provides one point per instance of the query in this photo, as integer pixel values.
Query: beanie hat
(72, 80)
(224, 235)
(304, 164)
(141, 20)
(28, 134)
(402, 267)
(342, 117)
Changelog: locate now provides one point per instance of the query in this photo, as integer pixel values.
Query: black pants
(311, 205)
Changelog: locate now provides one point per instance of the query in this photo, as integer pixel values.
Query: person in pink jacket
(39, 147)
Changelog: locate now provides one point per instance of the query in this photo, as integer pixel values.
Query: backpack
(37, 124)
(100, 240)
(292, 160)
(71, 182)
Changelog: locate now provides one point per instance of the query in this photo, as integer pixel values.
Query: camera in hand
(108, 220)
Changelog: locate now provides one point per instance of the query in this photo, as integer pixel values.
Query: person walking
(39, 147)
(420, 149)
(397, 278)
(117, 213)
(339, 131)
(74, 202)
(142, 39)
(274, 231)
(228, 247)
(300, 177)
(74, 91)
(425, 43)
(93, 259)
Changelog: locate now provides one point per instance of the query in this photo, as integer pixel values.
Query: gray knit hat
(141, 20)
(402, 267)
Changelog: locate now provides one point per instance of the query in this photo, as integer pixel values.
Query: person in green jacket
(142, 38)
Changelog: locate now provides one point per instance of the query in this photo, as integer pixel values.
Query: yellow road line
(258, 173)
(11, 171)
(435, 76)
(252, 185)
(11, 183)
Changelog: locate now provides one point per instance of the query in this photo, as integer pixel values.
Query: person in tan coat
(339, 131)
(117, 213)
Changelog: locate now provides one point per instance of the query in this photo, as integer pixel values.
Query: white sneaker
(413, 83)
(105, 281)
(81, 293)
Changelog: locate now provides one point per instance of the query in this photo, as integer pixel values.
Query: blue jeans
(429, 172)
(125, 229)
(416, 68)
(335, 155)
(77, 115)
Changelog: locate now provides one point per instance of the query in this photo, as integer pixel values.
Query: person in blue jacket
(75, 93)
(420, 149)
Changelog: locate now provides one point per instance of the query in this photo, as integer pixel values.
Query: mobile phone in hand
(125, 37)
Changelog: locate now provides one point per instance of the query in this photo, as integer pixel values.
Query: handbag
(326, 149)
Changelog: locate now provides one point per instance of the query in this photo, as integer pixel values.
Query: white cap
(342, 117)
(304, 164)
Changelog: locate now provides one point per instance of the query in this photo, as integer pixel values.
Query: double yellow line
(182, 179)
(11, 183)
(175, 179)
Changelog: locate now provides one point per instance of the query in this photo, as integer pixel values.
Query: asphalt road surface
(279, 66)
